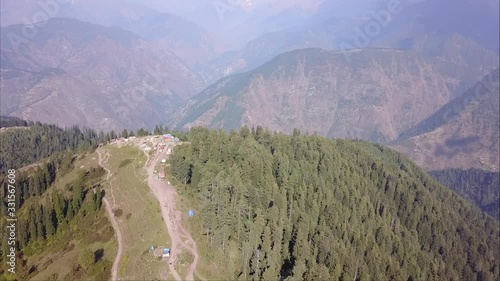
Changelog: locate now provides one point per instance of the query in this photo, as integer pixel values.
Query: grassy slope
(59, 254)
(141, 223)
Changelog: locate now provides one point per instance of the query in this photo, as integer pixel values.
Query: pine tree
(245, 132)
(39, 222)
(49, 221)
(157, 130)
(77, 198)
(141, 132)
(32, 225)
(59, 207)
(97, 199)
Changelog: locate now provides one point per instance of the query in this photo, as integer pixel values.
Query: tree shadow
(98, 254)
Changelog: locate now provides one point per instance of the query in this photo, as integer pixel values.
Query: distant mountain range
(471, 27)
(189, 41)
(373, 94)
(137, 65)
(102, 77)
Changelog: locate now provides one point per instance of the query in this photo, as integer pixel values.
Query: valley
(103, 77)
(462, 134)
(249, 140)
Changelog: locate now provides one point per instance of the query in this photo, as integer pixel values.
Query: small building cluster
(169, 137)
(145, 147)
(160, 251)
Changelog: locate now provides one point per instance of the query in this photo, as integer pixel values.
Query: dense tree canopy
(305, 207)
(284, 207)
(8, 121)
(478, 186)
(22, 147)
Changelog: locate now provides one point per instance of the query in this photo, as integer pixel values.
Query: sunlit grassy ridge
(138, 214)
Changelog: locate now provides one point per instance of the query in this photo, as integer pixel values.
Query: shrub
(118, 212)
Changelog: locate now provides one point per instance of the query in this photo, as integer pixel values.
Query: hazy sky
(249, 17)
(212, 14)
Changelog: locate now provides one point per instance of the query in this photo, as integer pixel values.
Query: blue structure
(166, 252)
(191, 213)
(152, 248)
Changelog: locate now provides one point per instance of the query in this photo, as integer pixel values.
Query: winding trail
(167, 195)
(114, 271)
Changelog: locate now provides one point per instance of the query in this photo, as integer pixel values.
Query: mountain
(196, 31)
(29, 143)
(73, 72)
(187, 40)
(478, 186)
(108, 13)
(268, 206)
(468, 33)
(269, 45)
(474, 20)
(277, 207)
(464, 133)
(374, 94)
(334, 35)
(61, 228)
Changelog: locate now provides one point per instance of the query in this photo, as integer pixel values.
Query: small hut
(166, 253)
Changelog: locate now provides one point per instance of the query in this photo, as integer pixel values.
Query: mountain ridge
(368, 77)
(462, 134)
(108, 77)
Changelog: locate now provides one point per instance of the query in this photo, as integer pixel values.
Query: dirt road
(109, 209)
(167, 196)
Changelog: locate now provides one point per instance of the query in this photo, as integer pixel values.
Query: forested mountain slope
(305, 207)
(62, 232)
(478, 186)
(25, 145)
